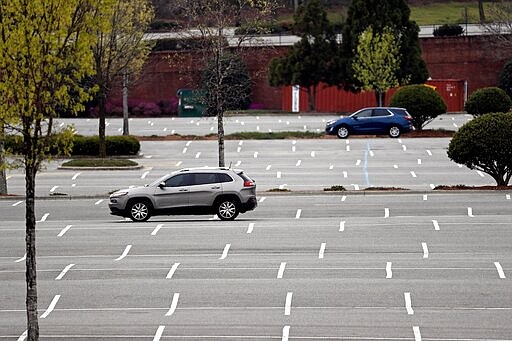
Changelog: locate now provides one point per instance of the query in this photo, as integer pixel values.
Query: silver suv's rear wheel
(227, 210)
(139, 211)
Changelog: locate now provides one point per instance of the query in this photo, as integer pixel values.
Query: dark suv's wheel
(342, 132)
(227, 209)
(394, 131)
(139, 210)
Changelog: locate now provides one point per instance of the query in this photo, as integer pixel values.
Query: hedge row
(87, 145)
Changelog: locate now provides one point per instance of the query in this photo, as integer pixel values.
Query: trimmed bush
(448, 30)
(506, 78)
(487, 100)
(422, 102)
(86, 145)
(485, 144)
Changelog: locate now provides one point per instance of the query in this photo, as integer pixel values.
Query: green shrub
(422, 102)
(487, 100)
(85, 145)
(506, 78)
(448, 30)
(485, 144)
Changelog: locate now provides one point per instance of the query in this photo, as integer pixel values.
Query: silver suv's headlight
(118, 194)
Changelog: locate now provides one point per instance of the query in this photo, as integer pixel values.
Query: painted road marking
(343, 198)
(98, 202)
(53, 189)
(404, 147)
(225, 252)
(298, 163)
(250, 228)
(345, 174)
(507, 196)
(395, 166)
(179, 163)
(429, 152)
(322, 251)
(425, 197)
(286, 333)
(399, 141)
(419, 161)
(413, 174)
(356, 187)
(64, 230)
(278, 175)
(263, 199)
(470, 212)
(21, 259)
(436, 225)
(280, 272)
(185, 150)
(157, 228)
(255, 155)
(500, 269)
(188, 143)
(389, 272)
(358, 162)
(17, 203)
(408, 304)
(174, 304)
(348, 148)
(198, 155)
(288, 303)
(313, 154)
(238, 163)
(50, 307)
(124, 254)
(23, 336)
(43, 218)
(63, 272)
(294, 149)
(371, 153)
(297, 215)
(159, 333)
(386, 212)
(425, 249)
(76, 176)
(238, 149)
(172, 271)
(143, 176)
(268, 167)
(240, 143)
(417, 334)
(432, 186)
(342, 226)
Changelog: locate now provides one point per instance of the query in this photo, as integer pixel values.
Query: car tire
(342, 132)
(394, 132)
(139, 210)
(227, 209)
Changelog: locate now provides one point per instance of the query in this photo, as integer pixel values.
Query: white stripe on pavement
(322, 251)
(50, 307)
(63, 272)
(280, 273)
(389, 272)
(436, 225)
(500, 270)
(158, 333)
(174, 304)
(288, 303)
(124, 254)
(425, 249)
(172, 271)
(408, 304)
(225, 252)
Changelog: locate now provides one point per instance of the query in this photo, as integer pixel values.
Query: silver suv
(222, 191)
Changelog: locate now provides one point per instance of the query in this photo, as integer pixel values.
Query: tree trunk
(220, 136)
(380, 98)
(30, 241)
(481, 11)
(126, 129)
(3, 178)
(311, 98)
(102, 103)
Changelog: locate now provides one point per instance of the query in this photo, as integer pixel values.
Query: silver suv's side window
(221, 177)
(205, 178)
(180, 180)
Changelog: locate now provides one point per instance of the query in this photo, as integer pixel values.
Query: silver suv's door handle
(216, 187)
(183, 190)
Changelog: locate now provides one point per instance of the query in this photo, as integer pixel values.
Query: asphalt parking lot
(300, 267)
(414, 265)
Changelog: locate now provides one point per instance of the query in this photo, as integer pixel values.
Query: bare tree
(499, 23)
(211, 24)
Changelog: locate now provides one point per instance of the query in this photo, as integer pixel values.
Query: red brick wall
(471, 58)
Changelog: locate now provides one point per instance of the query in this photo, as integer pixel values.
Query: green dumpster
(190, 103)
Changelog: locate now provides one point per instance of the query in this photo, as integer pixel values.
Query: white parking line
(198, 155)
(425, 249)
(348, 148)
(288, 303)
(470, 212)
(64, 230)
(356, 187)
(297, 215)
(63, 272)
(425, 197)
(99, 202)
(17, 203)
(238, 163)
(429, 152)
(417, 334)
(23, 336)
(240, 143)
(43, 218)
(286, 333)
(255, 155)
(159, 333)
(432, 186)
(50, 307)
(179, 163)
(124, 254)
(413, 174)
(280, 272)
(389, 272)
(157, 228)
(436, 224)
(238, 149)
(250, 228)
(507, 196)
(21, 259)
(358, 162)
(143, 176)
(225, 252)
(313, 154)
(404, 147)
(262, 199)
(294, 149)
(419, 161)
(372, 153)
(500, 270)
(174, 304)
(278, 174)
(342, 226)
(322, 251)
(172, 271)
(345, 174)
(76, 176)
(298, 163)
(408, 304)
(343, 198)
(184, 150)
(188, 144)
(268, 167)
(386, 212)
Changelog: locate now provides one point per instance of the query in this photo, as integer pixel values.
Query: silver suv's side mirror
(161, 185)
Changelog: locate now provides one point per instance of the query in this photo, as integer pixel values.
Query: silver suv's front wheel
(227, 210)
(139, 211)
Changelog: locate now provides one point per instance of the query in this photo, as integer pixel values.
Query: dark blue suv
(372, 121)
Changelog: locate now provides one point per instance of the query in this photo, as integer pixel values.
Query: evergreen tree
(314, 58)
(380, 14)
